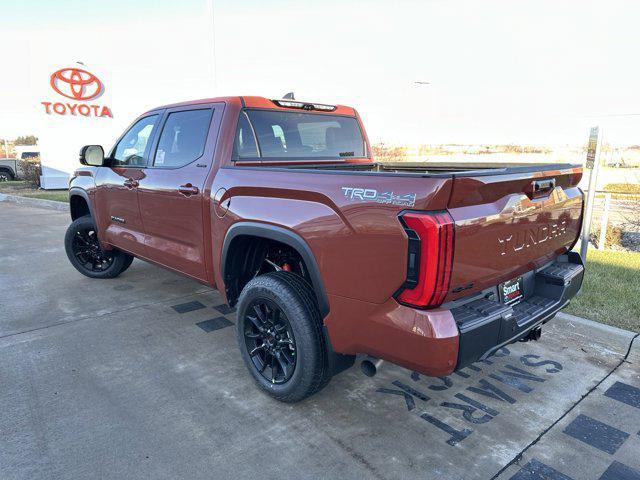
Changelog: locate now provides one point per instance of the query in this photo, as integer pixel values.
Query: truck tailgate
(511, 221)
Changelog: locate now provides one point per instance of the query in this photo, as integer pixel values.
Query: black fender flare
(80, 192)
(282, 235)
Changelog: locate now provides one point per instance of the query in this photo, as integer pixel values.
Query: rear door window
(183, 138)
(246, 146)
(284, 135)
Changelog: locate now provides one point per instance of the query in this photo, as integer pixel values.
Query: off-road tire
(120, 261)
(295, 298)
(129, 261)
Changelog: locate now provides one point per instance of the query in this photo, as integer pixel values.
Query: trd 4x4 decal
(370, 194)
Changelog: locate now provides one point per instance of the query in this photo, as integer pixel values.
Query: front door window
(132, 148)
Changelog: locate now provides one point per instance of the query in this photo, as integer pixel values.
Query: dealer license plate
(511, 291)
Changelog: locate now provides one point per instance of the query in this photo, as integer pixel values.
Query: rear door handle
(131, 183)
(188, 189)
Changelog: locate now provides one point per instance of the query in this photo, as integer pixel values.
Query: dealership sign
(80, 87)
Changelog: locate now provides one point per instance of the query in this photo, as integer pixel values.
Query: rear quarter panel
(359, 245)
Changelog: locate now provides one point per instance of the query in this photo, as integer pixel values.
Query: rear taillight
(430, 258)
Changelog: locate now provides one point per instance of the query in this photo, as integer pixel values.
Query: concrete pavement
(140, 377)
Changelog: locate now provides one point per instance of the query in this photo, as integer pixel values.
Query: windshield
(284, 135)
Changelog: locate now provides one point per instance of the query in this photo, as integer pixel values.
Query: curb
(591, 324)
(35, 202)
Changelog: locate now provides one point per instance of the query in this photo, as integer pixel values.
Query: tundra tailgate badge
(531, 237)
(388, 198)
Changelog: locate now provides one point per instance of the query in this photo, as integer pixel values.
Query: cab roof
(262, 102)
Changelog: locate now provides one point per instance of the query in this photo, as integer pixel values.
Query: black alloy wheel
(86, 255)
(86, 249)
(279, 332)
(269, 340)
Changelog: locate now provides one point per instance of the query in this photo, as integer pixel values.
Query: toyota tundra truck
(325, 253)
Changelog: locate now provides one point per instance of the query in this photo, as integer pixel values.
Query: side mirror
(92, 155)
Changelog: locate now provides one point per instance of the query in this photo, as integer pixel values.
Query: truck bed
(509, 219)
(435, 169)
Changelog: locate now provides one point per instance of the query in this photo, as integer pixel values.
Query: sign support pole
(593, 165)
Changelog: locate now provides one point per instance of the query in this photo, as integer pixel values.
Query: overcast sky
(499, 71)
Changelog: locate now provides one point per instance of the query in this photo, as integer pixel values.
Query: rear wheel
(6, 176)
(86, 255)
(280, 337)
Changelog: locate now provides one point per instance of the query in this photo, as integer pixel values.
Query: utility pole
(593, 165)
(6, 149)
(212, 18)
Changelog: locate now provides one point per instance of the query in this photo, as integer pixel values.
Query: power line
(614, 115)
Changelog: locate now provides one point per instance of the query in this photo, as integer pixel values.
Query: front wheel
(86, 255)
(280, 336)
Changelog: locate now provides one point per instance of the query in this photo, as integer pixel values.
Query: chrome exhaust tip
(370, 366)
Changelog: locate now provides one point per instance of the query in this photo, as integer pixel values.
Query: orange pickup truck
(280, 205)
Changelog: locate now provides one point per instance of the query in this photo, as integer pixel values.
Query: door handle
(131, 183)
(544, 185)
(540, 188)
(188, 189)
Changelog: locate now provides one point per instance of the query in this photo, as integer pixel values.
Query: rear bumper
(438, 341)
(485, 324)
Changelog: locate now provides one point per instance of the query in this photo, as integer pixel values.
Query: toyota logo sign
(79, 85)
(76, 84)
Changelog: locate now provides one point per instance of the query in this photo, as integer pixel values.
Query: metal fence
(616, 214)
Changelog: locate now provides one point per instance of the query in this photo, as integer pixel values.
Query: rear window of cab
(275, 134)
